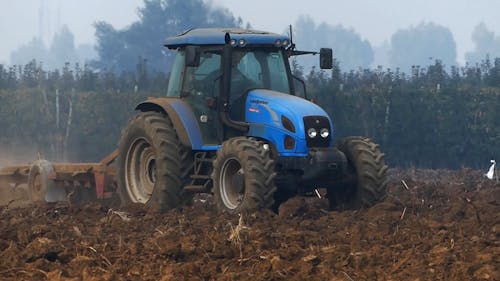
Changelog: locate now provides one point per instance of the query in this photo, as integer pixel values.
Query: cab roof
(221, 36)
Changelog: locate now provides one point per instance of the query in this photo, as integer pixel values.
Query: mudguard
(182, 117)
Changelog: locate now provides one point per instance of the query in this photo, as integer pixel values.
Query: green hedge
(429, 118)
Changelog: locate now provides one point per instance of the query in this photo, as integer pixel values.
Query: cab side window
(201, 80)
(174, 82)
(278, 76)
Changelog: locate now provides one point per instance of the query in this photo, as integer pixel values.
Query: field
(434, 225)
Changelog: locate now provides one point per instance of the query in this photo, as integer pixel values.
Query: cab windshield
(259, 68)
(252, 68)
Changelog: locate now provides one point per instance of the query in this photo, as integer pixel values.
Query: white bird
(491, 171)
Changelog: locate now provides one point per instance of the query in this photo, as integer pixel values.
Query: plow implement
(53, 181)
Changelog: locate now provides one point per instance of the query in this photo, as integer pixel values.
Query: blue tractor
(233, 124)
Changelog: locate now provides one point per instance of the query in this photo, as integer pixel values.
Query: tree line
(118, 49)
(428, 118)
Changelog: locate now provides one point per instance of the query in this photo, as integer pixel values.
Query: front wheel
(243, 176)
(366, 181)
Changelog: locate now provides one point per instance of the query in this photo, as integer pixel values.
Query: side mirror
(325, 58)
(192, 56)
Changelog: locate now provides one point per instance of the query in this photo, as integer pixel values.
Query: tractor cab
(215, 70)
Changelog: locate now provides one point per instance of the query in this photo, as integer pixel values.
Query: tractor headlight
(318, 132)
(312, 133)
(242, 42)
(285, 43)
(277, 43)
(233, 42)
(324, 133)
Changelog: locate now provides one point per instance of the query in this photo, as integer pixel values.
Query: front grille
(318, 123)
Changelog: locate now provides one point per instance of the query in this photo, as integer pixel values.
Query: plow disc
(40, 186)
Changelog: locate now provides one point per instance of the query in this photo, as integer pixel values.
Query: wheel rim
(232, 183)
(140, 171)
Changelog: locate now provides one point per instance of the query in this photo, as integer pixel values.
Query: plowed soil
(437, 225)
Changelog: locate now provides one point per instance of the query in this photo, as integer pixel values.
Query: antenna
(292, 45)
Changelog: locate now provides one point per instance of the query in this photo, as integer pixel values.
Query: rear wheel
(243, 176)
(366, 181)
(152, 163)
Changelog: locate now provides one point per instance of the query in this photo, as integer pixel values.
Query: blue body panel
(263, 112)
(264, 109)
(210, 147)
(216, 36)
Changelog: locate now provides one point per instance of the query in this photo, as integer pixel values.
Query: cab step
(196, 188)
(200, 177)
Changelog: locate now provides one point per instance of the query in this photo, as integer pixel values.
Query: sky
(374, 20)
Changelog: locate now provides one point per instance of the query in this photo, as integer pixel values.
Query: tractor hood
(268, 108)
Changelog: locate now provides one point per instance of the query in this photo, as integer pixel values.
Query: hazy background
(374, 22)
(421, 78)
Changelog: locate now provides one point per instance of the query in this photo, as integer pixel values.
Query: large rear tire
(152, 163)
(366, 179)
(243, 176)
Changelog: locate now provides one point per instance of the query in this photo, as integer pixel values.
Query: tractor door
(200, 88)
